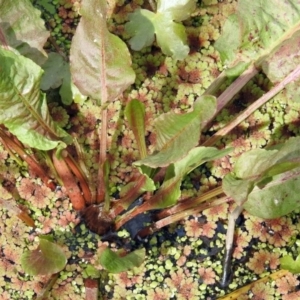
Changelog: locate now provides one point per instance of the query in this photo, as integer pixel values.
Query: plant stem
(124, 202)
(216, 84)
(181, 215)
(35, 167)
(247, 112)
(101, 191)
(190, 203)
(227, 272)
(182, 209)
(69, 181)
(80, 176)
(91, 288)
(21, 214)
(235, 87)
(44, 292)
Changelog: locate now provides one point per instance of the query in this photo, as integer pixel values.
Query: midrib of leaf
(33, 113)
(103, 67)
(179, 133)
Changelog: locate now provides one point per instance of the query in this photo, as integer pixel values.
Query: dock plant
(63, 151)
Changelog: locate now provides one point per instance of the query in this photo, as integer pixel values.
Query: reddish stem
(82, 180)
(91, 288)
(179, 216)
(35, 167)
(69, 181)
(132, 213)
(190, 203)
(124, 202)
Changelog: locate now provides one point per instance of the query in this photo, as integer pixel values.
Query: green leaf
(68, 90)
(100, 61)
(177, 134)
(284, 59)
(288, 263)
(237, 188)
(256, 28)
(253, 163)
(48, 6)
(114, 263)
(277, 198)
(267, 182)
(149, 185)
(54, 69)
(23, 107)
(170, 36)
(179, 9)
(57, 74)
(141, 28)
(135, 115)
(169, 192)
(47, 259)
(91, 272)
(24, 29)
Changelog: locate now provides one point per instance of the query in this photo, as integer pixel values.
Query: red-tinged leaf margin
(47, 259)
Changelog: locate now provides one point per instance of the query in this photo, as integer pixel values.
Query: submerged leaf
(177, 134)
(115, 263)
(100, 61)
(47, 259)
(24, 29)
(23, 107)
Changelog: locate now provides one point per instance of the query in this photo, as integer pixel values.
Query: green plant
(170, 36)
(101, 71)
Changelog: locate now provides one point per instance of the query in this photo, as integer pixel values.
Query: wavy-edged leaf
(23, 107)
(57, 74)
(179, 9)
(177, 134)
(47, 259)
(24, 29)
(267, 182)
(115, 263)
(143, 25)
(141, 28)
(54, 69)
(100, 61)
(256, 28)
(169, 192)
(278, 197)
